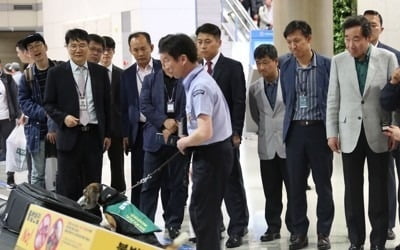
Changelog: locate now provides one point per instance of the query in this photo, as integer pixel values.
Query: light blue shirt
(203, 96)
(89, 93)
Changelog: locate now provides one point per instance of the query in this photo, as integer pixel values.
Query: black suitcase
(25, 194)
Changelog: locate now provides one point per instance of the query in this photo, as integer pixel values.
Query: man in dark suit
(304, 79)
(132, 119)
(376, 21)
(162, 101)
(229, 76)
(115, 152)
(77, 98)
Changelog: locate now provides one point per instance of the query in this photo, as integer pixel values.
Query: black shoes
(323, 242)
(299, 242)
(173, 232)
(10, 180)
(397, 247)
(375, 247)
(355, 247)
(269, 236)
(390, 234)
(234, 241)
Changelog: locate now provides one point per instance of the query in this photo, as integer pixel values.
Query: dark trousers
(306, 147)
(273, 174)
(170, 180)
(392, 191)
(116, 156)
(211, 165)
(137, 158)
(6, 126)
(235, 199)
(80, 166)
(353, 170)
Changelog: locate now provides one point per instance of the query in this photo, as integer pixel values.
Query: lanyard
(138, 75)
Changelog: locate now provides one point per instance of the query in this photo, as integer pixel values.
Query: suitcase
(25, 194)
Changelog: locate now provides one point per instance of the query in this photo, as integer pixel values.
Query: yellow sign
(45, 229)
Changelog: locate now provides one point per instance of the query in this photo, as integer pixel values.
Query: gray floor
(255, 197)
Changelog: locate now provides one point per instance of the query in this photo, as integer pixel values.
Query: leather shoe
(397, 247)
(269, 236)
(173, 232)
(323, 242)
(292, 238)
(390, 234)
(300, 242)
(355, 247)
(234, 241)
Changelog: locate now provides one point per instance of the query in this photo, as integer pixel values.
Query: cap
(12, 66)
(33, 38)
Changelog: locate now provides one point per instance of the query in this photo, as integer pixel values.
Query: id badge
(303, 101)
(82, 103)
(170, 107)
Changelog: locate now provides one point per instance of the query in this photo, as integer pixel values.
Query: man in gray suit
(268, 110)
(355, 116)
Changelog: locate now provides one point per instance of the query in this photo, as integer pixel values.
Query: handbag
(16, 150)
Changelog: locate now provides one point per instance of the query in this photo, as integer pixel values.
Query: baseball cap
(33, 38)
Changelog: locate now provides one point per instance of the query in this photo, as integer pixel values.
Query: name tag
(82, 103)
(303, 101)
(170, 107)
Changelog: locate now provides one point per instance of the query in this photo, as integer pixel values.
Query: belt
(305, 123)
(87, 127)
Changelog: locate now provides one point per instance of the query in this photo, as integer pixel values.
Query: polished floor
(255, 197)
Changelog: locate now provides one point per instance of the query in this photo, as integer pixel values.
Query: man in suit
(390, 101)
(355, 116)
(77, 98)
(96, 48)
(267, 110)
(375, 19)
(133, 120)
(116, 151)
(162, 101)
(229, 76)
(304, 79)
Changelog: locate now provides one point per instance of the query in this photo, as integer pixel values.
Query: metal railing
(236, 22)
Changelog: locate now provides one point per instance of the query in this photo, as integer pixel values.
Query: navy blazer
(130, 105)
(152, 105)
(288, 79)
(229, 76)
(395, 51)
(61, 99)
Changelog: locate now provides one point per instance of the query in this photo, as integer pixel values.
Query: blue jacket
(31, 102)
(288, 78)
(130, 110)
(152, 105)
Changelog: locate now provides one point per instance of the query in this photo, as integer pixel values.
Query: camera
(385, 126)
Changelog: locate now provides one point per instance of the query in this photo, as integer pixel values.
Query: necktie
(83, 108)
(209, 68)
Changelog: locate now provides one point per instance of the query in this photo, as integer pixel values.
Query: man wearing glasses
(77, 97)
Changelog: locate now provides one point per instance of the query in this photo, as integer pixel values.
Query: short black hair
(20, 45)
(177, 45)
(296, 25)
(209, 28)
(374, 13)
(97, 39)
(109, 42)
(264, 50)
(138, 34)
(75, 35)
(36, 37)
(354, 21)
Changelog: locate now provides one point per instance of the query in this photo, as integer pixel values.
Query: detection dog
(121, 216)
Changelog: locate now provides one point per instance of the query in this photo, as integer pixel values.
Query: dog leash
(150, 175)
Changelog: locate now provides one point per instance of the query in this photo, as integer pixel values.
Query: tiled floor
(255, 197)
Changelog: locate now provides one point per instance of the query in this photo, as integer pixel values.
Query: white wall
(103, 17)
(389, 11)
